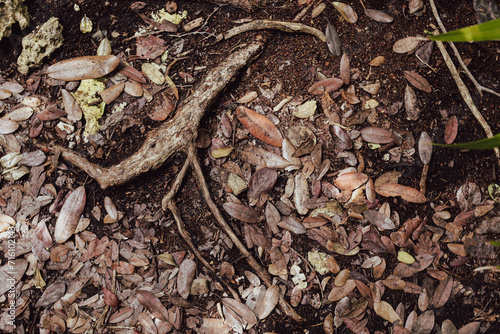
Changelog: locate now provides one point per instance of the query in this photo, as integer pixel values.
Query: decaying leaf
(377, 135)
(325, 86)
(425, 148)
(418, 81)
(152, 304)
(261, 158)
(442, 292)
(293, 225)
(260, 126)
(345, 69)
(80, 68)
(379, 16)
(262, 181)
(346, 11)
(407, 193)
(385, 310)
(187, 270)
(240, 311)
(332, 40)
(451, 130)
(406, 45)
(351, 180)
(424, 323)
(411, 104)
(242, 212)
(70, 214)
(301, 193)
(268, 303)
(379, 219)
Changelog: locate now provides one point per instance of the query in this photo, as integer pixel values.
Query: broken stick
(172, 136)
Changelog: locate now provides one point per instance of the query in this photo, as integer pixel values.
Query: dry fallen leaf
(260, 126)
(261, 158)
(345, 69)
(351, 181)
(325, 86)
(442, 292)
(424, 323)
(418, 81)
(407, 193)
(425, 148)
(385, 310)
(242, 212)
(332, 40)
(240, 311)
(346, 11)
(406, 45)
(80, 68)
(187, 270)
(451, 130)
(379, 16)
(293, 225)
(268, 303)
(377, 135)
(379, 219)
(411, 104)
(262, 181)
(7, 126)
(152, 304)
(70, 214)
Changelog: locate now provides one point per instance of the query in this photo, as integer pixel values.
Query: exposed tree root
(272, 25)
(173, 135)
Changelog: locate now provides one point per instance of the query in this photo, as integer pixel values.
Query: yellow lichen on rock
(86, 95)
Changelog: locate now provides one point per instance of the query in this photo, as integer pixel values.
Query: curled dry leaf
(351, 181)
(262, 181)
(425, 148)
(259, 126)
(451, 130)
(407, 193)
(187, 270)
(151, 303)
(242, 212)
(332, 40)
(406, 45)
(80, 68)
(248, 97)
(346, 11)
(345, 69)
(70, 214)
(415, 5)
(377, 135)
(240, 311)
(339, 292)
(379, 16)
(377, 61)
(268, 303)
(325, 86)
(418, 81)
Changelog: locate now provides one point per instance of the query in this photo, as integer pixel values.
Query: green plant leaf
(495, 243)
(486, 31)
(481, 144)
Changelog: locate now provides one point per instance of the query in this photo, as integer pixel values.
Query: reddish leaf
(262, 181)
(351, 181)
(50, 114)
(325, 86)
(133, 74)
(70, 214)
(123, 268)
(242, 212)
(451, 130)
(442, 292)
(345, 69)
(407, 193)
(377, 135)
(150, 47)
(260, 126)
(292, 224)
(110, 298)
(418, 81)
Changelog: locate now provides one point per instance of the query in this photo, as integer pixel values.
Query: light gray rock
(40, 44)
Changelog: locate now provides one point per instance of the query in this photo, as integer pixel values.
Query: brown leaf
(345, 69)
(272, 217)
(346, 11)
(120, 315)
(242, 212)
(293, 225)
(424, 323)
(185, 277)
(163, 106)
(415, 5)
(340, 137)
(379, 219)
(411, 104)
(418, 81)
(332, 39)
(442, 292)
(351, 180)
(53, 293)
(339, 292)
(377, 135)
(7, 126)
(407, 193)
(386, 311)
(325, 86)
(424, 54)
(425, 148)
(110, 298)
(50, 114)
(301, 193)
(451, 130)
(262, 181)
(470, 328)
(133, 74)
(123, 268)
(110, 94)
(147, 323)
(152, 304)
(405, 45)
(379, 16)
(240, 311)
(70, 214)
(261, 158)
(150, 47)
(80, 68)
(260, 126)
(268, 303)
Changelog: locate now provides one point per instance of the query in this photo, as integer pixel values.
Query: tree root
(173, 135)
(272, 25)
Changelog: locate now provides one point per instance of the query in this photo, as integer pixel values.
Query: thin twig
(261, 272)
(478, 86)
(464, 91)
